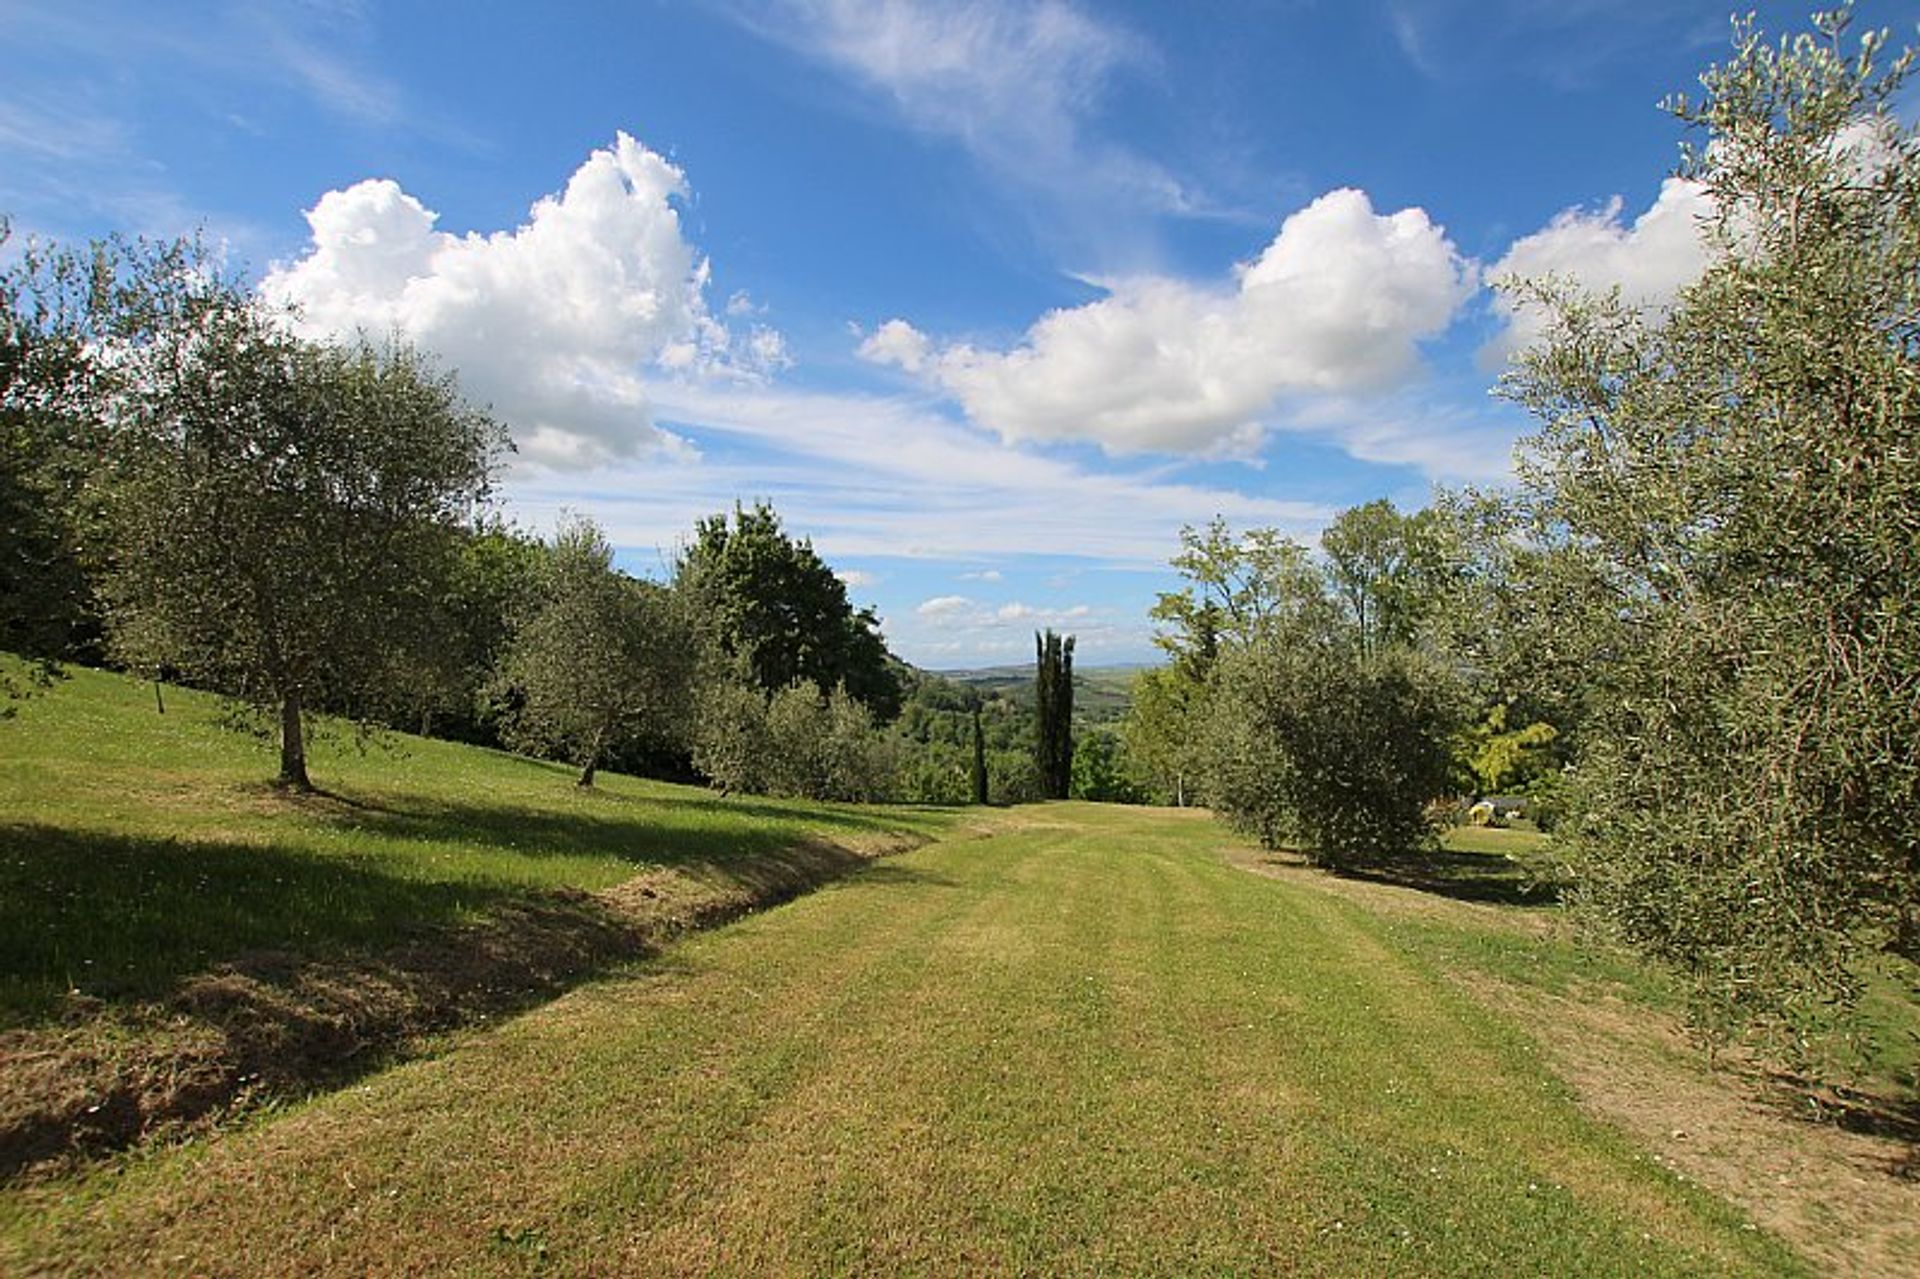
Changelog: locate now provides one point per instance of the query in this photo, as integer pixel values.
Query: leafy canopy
(772, 604)
(1729, 499)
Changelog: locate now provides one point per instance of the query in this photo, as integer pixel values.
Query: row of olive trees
(191, 490)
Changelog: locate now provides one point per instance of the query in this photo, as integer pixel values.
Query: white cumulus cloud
(897, 342)
(1649, 260)
(559, 324)
(944, 606)
(1337, 303)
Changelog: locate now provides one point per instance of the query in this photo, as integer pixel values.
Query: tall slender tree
(979, 775)
(1053, 694)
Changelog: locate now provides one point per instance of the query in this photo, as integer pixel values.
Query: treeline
(1691, 628)
(190, 492)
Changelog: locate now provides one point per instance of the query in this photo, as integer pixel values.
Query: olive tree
(1314, 741)
(601, 659)
(1735, 485)
(277, 509)
(73, 319)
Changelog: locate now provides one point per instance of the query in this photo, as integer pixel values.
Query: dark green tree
(278, 510)
(773, 605)
(1053, 708)
(1316, 742)
(446, 686)
(977, 775)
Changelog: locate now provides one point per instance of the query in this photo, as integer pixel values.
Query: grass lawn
(138, 848)
(1084, 1045)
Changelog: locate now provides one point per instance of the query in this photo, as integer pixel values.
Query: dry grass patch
(1849, 1200)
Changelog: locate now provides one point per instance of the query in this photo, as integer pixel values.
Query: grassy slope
(136, 848)
(1089, 1046)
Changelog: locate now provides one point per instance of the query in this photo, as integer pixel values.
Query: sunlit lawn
(1089, 1046)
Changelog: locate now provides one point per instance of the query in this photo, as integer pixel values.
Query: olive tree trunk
(293, 745)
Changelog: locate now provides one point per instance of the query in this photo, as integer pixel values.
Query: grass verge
(1831, 1170)
(182, 938)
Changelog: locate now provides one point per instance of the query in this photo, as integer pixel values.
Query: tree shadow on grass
(121, 918)
(676, 832)
(1473, 877)
(1893, 1118)
(214, 973)
(894, 873)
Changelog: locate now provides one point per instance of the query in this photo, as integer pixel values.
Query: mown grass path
(1084, 1045)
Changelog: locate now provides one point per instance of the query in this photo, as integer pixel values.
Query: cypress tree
(979, 759)
(1053, 696)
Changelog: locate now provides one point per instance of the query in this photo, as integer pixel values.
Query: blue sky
(989, 299)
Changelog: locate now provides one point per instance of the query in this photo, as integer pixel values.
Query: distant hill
(1101, 694)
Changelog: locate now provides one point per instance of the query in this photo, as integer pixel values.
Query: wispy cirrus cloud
(886, 475)
(85, 88)
(1568, 45)
(1018, 84)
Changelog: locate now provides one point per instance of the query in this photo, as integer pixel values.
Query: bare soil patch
(1848, 1200)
